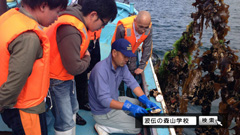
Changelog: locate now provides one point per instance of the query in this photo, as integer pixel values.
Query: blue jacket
(103, 85)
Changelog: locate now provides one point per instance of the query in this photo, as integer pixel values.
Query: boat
(148, 80)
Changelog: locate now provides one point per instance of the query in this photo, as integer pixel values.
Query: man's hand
(148, 103)
(134, 109)
(138, 71)
(87, 53)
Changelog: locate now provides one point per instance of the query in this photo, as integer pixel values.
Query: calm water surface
(170, 18)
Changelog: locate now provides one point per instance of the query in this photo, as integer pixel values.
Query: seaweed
(202, 78)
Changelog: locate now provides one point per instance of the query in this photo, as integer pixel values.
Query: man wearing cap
(107, 107)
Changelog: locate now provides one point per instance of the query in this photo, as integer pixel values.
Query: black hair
(80, 2)
(51, 3)
(106, 9)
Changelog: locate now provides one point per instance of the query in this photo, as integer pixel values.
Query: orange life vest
(129, 32)
(13, 24)
(57, 70)
(94, 35)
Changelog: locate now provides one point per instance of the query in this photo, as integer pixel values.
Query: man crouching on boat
(107, 107)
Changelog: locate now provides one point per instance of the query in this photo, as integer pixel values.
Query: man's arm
(120, 32)
(116, 104)
(128, 106)
(146, 52)
(138, 91)
(24, 51)
(69, 40)
(101, 87)
(128, 78)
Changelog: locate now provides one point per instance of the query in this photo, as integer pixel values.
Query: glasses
(103, 23)
(142, 27)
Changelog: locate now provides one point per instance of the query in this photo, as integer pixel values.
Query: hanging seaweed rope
(174, 69)
(202, 78)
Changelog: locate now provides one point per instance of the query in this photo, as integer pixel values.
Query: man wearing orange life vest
(69, 56)
(24, 68)
(137, 30)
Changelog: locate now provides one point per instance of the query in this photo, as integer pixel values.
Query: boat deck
(87, 129)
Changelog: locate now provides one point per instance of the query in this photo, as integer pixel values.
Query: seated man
(106, 105)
